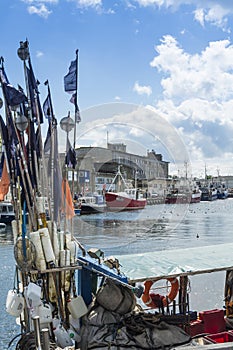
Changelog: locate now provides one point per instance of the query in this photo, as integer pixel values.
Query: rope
(28, 342)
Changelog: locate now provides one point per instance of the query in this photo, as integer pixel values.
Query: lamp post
(23, 50)
(67, 124)
(23, 54)
(21, 122)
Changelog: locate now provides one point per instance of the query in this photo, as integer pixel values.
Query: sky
(154, 74)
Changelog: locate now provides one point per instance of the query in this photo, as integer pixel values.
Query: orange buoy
(156, 300)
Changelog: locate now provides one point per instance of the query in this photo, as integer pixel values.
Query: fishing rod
(19, 155)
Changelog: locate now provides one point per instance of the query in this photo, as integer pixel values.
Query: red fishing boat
(127, 199)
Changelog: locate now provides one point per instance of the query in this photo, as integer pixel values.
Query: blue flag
(37, 113)
(77, 112)
(47, 108)
(70, 158)
(70, 79)
(48, 113)
(13, 96)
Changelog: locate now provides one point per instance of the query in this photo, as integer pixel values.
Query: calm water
(157, 227)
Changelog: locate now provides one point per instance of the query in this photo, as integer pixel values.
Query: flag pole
(75, 131)
(76, 101)
(51, 197)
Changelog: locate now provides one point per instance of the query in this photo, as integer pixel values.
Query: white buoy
(77, 307)
(41, 203)
(60, 235)
(72, 247)
(62, 337)
(14, 230)
(33, 294)
(47, 245)
(14, 303)
(40, 259)
(45, 313)
(54, 238)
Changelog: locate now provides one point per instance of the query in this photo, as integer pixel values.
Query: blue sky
(173, 56)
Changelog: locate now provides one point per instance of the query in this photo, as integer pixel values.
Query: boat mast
(115, 177)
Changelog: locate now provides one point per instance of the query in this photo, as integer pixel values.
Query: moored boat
(174, 197)
(188, 196)
(209, 193)
(90, 204)
(127, 199)
(222, 191)
(7, 213)
(196, 196)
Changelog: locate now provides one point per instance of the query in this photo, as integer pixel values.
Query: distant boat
(222, 191)
(209, 193)
(89, 204)
(177, 196)
(196, 195)
(7, 214)
(128, 199)
(174, 197)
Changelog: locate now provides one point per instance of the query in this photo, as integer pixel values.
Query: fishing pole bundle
(44, 248)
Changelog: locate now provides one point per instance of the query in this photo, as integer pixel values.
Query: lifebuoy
(156, 300)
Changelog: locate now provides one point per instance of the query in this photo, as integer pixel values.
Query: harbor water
(155, 228)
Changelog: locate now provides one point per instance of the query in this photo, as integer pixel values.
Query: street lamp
(21, 122)
(23, 50)
(67, 124)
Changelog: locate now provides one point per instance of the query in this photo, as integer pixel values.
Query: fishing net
(25, 253)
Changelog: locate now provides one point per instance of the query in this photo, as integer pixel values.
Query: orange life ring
(156, 300)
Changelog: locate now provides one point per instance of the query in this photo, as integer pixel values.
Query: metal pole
(45, 338)
(36, 324)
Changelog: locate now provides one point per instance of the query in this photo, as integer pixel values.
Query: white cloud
(142, 90)
(210, 11)
(39, 7)
(40, 1)
(200, 16)
(40, 10)
(216, 15)
(198, 96)
(214, 12)
(87, 3)
(206, 75)
(39, 54)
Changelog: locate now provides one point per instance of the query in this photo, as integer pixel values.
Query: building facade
(97, 166)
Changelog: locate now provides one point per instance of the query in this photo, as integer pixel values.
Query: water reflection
(158, 227)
